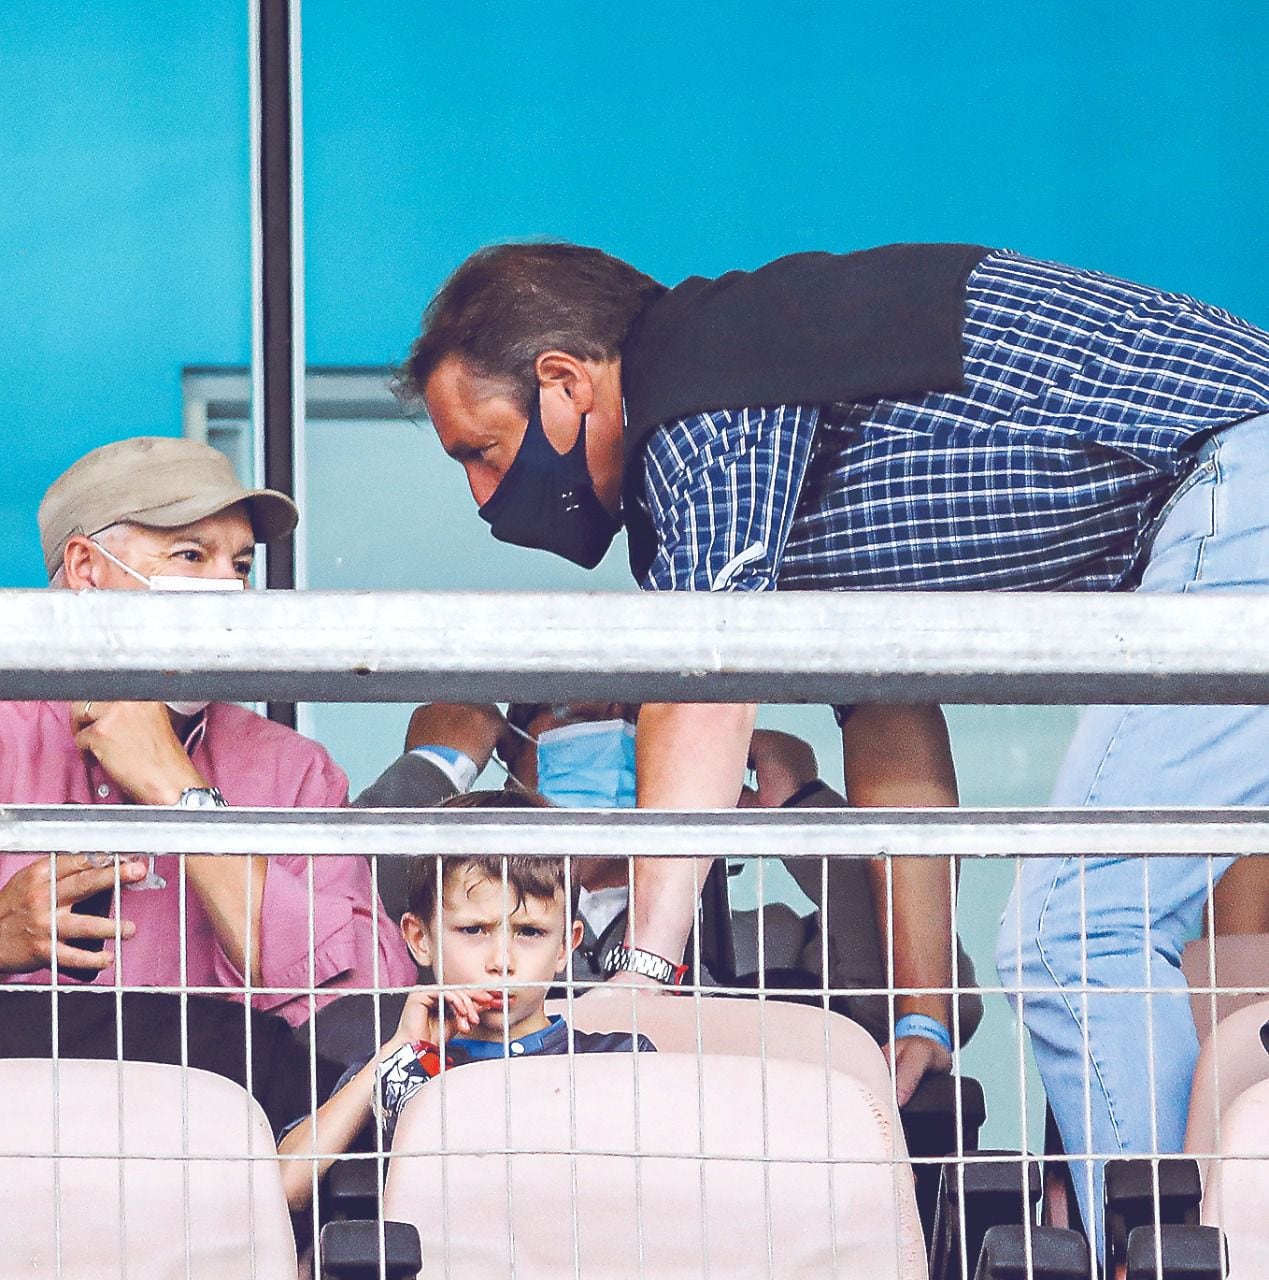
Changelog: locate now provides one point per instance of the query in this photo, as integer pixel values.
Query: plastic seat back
(1242, 961)
(1237, 1186)
(727, 1025)
(616, 1165)
(1231, 1061)
(71, 1207)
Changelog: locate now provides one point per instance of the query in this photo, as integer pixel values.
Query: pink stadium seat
(1242, 961)
(776, 1028)
(1236, 1190)
(159, 1216)
(662, 1165)
(1231, 1060)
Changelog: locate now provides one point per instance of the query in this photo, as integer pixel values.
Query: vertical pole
(278, 338)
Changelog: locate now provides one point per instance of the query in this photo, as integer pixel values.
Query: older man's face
(219, 546)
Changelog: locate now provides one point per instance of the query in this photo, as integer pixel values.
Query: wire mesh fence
(264, 1098)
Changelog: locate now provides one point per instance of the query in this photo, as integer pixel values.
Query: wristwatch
(646, 963)
(202, 798)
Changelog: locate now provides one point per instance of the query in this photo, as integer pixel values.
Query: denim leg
(1117, 1064)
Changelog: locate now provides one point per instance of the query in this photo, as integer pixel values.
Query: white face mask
(175, 582)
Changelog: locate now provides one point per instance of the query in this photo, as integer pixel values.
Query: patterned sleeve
(722, 489)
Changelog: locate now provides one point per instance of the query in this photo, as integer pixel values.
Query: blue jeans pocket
(1176, 541)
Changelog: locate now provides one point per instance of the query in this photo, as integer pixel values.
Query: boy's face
(484, 939)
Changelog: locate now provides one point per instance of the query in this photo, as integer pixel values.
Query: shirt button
(103, 791)
(517, 1048)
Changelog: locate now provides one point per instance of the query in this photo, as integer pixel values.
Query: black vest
(809, 329)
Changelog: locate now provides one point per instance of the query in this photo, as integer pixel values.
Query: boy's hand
(427, 1007)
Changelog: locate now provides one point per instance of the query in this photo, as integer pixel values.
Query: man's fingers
(69, 957)
(914, 1057)
(71, 924)
(75, 886)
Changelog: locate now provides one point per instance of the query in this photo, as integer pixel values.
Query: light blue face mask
(588, 766)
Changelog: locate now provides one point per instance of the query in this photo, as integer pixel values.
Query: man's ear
(79, 564)
(567, 375)
(567, 392)
(417, 939)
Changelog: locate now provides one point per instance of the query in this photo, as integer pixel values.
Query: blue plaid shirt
(1084, 399)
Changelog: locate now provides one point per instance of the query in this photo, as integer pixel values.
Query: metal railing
(796, 647)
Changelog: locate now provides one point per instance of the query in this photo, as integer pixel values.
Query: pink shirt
(254, 762)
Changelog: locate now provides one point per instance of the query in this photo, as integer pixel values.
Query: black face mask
(546, 500)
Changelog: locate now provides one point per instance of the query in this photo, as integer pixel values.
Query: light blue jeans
(1117, 1065)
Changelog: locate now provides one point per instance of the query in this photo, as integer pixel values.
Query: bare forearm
(690, 756)
(327, 1134)
(900, 757)
(918, 932)
(231, 890)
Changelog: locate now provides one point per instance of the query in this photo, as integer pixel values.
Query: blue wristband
(921, 1024)
(460, 767)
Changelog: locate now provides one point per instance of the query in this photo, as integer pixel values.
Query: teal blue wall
(125, 233)
(1129, 136)
(688, 138)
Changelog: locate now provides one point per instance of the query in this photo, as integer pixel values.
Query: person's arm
(897, 757)
(447, 744)
(331, 1130)
(322, 924)
(136, 744)
(689, 756)
(722, 489)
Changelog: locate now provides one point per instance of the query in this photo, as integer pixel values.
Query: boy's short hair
(529, 877)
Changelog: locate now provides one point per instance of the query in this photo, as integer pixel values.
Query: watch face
(202, 798)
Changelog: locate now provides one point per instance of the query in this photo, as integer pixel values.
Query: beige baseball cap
(160, 482)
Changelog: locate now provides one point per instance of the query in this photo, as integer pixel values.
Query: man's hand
(783, 764)
(472, 728)
(912, 1057)
(426, 1008)
(136, 745)
(26, 930)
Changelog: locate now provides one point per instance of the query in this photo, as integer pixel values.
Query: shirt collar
(534, 1042)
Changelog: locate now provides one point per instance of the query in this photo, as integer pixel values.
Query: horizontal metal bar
(779, 647)
(638, 833)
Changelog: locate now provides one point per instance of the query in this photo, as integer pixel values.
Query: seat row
(761, 1140)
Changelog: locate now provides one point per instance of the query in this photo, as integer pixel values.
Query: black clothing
(811, 328)
(151, 1032)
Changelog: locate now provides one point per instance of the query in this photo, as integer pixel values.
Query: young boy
(496, 939)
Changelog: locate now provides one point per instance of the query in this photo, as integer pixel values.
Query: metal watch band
(202, 798)
(646, 963)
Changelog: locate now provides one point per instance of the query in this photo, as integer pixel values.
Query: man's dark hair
(510, 302)
(527, 877)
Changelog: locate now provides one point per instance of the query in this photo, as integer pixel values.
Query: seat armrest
(973, 1198)
(351, 1189)
(352, 1251)
(930, 1129)
(1130, 1195)
(930, 1119)
(1188, 1253)
(1050, 1253)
